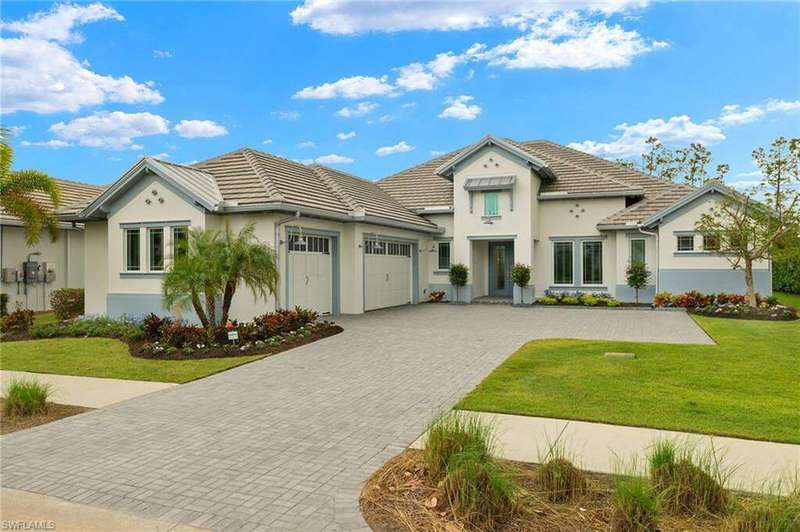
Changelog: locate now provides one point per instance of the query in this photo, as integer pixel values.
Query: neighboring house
(61, 262)
(348, 245)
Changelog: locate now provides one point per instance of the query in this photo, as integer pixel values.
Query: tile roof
(74, 195)
(419, 187)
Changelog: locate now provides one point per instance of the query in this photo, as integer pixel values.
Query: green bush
(47, 330)
(786, 275)
(67, 303)
(24, 397)
(635, 506)
(105, 327)
(521, 274)
(590, 300)
(482, 493)
(570, 300)
(547, 300)
(612, 303)
(3, 304)
(19, 321)
(452, 434)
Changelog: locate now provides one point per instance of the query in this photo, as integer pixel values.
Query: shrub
(663, 299)
(773, 514)
(152, 325)
(436, 296)
(612, 303)
(590, 300)
(3, 304)
(521, 274)
(481, 492)
(560, 480)
(458, 276)
(105, 327)
(635, 506)
(19, 321)
(26, 397)
(452, 434)
(570, 300)
(547, 300)
(786, 275)
(67, 303)
(176, 334)
(46, 330)
(686, 481)
(279, 322)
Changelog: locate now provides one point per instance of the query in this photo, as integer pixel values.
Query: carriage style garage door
(387, 274)
(310, 273)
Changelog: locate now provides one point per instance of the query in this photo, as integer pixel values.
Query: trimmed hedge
(786, 275)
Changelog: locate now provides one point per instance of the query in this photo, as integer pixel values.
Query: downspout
(658, 255)
(278, 225)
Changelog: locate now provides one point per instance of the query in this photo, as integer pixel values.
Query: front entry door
(501, 259)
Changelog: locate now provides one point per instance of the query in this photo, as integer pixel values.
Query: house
(348, 245)
(52, 264)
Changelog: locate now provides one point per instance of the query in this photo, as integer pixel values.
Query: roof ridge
(334, 186)
(81, 183)
(269, 186)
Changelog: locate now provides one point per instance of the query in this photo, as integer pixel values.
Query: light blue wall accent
(119, 305)
(628, 295)
(710, 281)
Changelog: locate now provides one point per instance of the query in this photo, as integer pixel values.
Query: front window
(156, 247)
(562, 267)
(180, 242)
(686, 243)
(592, 263)
(444, 255)
(637, 250)
(491, 204)
(710, 243)
(132, 250)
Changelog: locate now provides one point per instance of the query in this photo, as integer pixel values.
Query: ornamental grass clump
(772, 514)
(23, 397)
(635, 506)
(452, 434)
(558, 479)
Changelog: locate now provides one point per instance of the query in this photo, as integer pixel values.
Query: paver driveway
(285, 443)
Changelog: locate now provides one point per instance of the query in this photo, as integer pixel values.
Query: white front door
(387, 274)
(310, 273)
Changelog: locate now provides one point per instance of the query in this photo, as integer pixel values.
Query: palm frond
(27, 181)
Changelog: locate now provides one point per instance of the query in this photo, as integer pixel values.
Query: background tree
(458, 275)
(637, 276)
(16, 187)
(687, 165)
(747, 229)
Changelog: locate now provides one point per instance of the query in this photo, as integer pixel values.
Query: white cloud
(162, 155)
(360, 109)
(114, 130)
(460, 109)
(162, 54)
(346, 136)
(334, 159)
(52, 143)
(286, 116)
(415, 77)
(59, 23)
(266, 142)
(16, 130)
(631, 140)
(400, 147)
(735, 114)
(307, 144)
(385, 119)
(343, 17)
(353, 88)
(40, 75)
(436, 153)
(192, 129)
(409, 105)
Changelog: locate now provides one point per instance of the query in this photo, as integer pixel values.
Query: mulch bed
(401, 497)
(320, 331)
(54, 412)
(750, 313)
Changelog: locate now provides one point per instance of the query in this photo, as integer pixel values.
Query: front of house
(347, 245)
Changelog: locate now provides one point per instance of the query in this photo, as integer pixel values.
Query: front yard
(106, 357)
(746, 386)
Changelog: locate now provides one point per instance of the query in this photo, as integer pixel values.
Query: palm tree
(215, 263)
(16, 187)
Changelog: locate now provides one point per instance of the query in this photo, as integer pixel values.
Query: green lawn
(104, 357)
(791, 300)
(44, 318)
(748, 385)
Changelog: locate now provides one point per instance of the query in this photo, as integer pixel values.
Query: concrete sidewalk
(601, 448)
(90, 392)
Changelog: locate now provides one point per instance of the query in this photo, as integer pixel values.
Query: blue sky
(371, 89)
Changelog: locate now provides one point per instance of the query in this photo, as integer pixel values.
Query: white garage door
(310, 273)
(387, 274)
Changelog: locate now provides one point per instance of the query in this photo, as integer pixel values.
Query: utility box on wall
(30, 271)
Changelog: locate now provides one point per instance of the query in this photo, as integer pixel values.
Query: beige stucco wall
(65, 256)
(623, 257)
(96, 274)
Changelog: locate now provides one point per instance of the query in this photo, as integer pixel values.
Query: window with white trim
(685, 242)
(380, 247)
(563, 263)
(592, 265)
(313, 244)
(444, 255)
(638, 253)
(155, 248)
(132, 250)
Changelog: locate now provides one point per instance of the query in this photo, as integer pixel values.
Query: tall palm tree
(16, 187)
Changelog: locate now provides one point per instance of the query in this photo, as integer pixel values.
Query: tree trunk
(748, 279)
(227, 298)
(211, 308)
(637, 295)
(198, 309)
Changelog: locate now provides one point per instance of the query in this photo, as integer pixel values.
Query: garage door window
(313, 244)
(396, 249)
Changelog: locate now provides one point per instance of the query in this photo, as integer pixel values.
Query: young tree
(688, 165)
(16, 188)
(637, 276)
(459, 274)
(748, 229)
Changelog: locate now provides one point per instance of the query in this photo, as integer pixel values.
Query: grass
(452, 434)
(108, 358)
(635, 506)
(745, 386)
(790, 300)
(44, 318)
(24, 397)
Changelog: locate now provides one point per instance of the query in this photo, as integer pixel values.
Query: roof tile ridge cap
(269, 187)
(79, 183)
(589, 170)
(186, 166)
(337, 190)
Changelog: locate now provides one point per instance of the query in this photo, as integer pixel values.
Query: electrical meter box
(50, 272)
(30, 271)
(10, 275)
(41, 274)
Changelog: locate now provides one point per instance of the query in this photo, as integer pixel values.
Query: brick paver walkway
(285, 443)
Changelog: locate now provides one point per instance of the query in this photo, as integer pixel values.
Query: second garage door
(387, 274)
(310, 273)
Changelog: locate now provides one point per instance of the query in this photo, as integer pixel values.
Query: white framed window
(132, 250)
(155, 253)
(592, 262)
(685, 242)
(313, 244)
(491, 204)
(638, 250)
(563, 262)
(444, 255)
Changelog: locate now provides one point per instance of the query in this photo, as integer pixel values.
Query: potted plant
(458, 277)
(521, 275)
